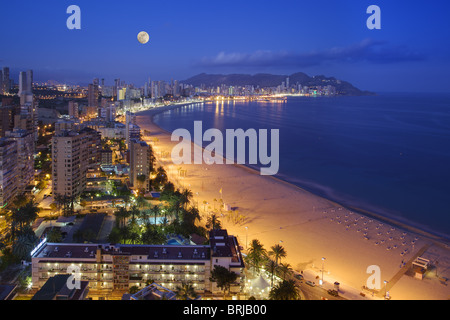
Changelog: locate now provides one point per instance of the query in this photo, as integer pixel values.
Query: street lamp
(246, 236)
(323, 260)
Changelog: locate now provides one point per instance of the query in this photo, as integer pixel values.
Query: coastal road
(313, 293)
(316, 293)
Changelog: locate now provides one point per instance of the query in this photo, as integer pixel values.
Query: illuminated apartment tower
(132, 130)
(24, 161)
(7, 112)
(27, 119)
(93, 95)
(8, 171)
(73, 153)
(73, 109)
(5, 81)
(140, 155)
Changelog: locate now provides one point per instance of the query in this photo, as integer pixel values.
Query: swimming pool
(174, 242)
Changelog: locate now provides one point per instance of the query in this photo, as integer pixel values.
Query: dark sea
(388, 154)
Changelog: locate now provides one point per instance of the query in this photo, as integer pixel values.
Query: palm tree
(155, 211)
(277, 251)
(272, 267)
(286, 290)
(213, 222)
(54, 236)
(176, 208)
(186, 196)
(133, 290)
(24, 243)
(185, 292)
(256, 254)
(134, 213)
(141, 202)
(161, 177)
(285, 268)
(190, 216)
(22, 217)
(121, 215)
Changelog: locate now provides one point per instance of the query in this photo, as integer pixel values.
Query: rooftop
(56, 289)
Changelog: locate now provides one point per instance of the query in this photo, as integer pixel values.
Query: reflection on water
(386, 153)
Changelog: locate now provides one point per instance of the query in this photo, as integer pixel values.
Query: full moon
(143, 37)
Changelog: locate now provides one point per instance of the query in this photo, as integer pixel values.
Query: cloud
(371, 51)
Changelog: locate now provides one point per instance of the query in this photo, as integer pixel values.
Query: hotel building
(115, 268)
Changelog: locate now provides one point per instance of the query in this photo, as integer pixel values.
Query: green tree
(115, 235)
(213, 222)
(185, 292)
(121, 217)
(152, 235)
(23, 245)
(161, 177)
(54, 235)
(133, 290)
(256, 254)
(155, 211)
(185, 197)
(141, 178)
(277, 251)
(223, 278)
(284, 269)
(271, 267)
(22, 217)
(285, 290)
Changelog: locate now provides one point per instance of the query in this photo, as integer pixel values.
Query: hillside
(269, 80)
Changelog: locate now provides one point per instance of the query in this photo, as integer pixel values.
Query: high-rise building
(93, 147)
(93, 95)
(25, 86)
(140, 156)
(27, 118)
(73, 153)
(6, 81)
(73, 109)
(176, 89)
(8, 171)
(7, 113)
(22, 82)
(111, 113)
(106, 156)
(25, 157)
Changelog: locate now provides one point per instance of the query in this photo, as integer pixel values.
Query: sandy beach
(309, 227)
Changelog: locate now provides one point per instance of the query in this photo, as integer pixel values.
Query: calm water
(388, 154)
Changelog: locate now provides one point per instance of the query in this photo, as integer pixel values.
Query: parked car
(310, 283)
(298, 277)
(333, 292)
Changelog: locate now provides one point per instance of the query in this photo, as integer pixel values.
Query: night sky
(411, 52)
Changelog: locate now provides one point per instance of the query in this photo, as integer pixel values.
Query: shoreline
(309, 226)
(439, 239)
